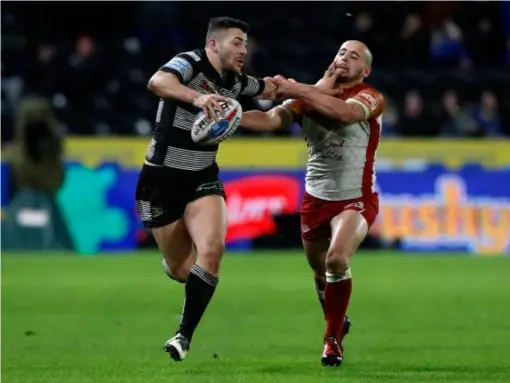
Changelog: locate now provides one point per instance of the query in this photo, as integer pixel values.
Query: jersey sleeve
(182, 65)
(295, 108)
(251, 86)
(371, 100)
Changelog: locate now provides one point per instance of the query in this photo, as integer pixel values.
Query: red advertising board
(253, 201)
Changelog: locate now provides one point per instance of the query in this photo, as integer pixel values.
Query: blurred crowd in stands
(443, 66)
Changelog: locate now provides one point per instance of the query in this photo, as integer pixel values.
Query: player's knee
(337, 260)
(214, 249)
(210, 254)
(336, 264)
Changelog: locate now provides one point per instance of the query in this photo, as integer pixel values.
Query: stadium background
(443, 163)
(76, 120)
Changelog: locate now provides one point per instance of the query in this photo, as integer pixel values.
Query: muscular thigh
(206, 220)
(349, 229)
(205, 213)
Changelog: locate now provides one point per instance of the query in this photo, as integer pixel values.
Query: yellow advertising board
(449, 215)
(292, 153)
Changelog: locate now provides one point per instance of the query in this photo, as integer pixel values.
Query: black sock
(200, 288)
(320, 285)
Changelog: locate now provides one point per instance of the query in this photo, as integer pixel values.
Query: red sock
(336, 295)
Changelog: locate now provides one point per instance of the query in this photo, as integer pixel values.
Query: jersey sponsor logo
(179, 64)
(253, 201)
(369, 99)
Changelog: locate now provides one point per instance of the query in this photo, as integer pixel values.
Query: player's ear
(212, 43)
(368, 70)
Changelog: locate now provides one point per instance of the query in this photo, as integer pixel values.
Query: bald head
(360, 49)
(353, 62)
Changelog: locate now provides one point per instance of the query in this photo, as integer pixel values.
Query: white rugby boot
(177, 347)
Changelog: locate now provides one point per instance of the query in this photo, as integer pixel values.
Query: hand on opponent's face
(329, 80)
(290, 88)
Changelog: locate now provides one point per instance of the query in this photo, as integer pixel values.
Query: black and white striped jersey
(171, 144)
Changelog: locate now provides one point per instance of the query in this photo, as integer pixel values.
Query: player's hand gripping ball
(210, 132)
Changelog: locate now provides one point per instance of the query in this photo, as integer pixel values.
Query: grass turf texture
(105, 319)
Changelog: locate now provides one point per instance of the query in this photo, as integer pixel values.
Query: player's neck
(214, 60)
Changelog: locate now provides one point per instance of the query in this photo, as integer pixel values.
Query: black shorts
(162, 193)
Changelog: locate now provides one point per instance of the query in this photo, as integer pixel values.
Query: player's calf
(319, 283)
(337, 290)
(348, 230)
(206, 221)
(201, 284)
(337, 295)
(316, 250)
(176, 246)
(178, 274)
(320, 286)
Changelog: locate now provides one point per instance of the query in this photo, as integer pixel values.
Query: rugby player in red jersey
(340, 203)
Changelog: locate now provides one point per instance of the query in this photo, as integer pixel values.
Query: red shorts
(316, 213)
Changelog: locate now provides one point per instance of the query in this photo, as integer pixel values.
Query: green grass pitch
(68, 319)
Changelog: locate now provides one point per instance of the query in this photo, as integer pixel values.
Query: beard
(229, 64)
(349, 78)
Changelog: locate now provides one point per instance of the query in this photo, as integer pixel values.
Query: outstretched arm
(331, 107)
(362, 106)
(275, 119)
(280, 117)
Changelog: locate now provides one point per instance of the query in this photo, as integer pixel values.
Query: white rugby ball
(211, 132)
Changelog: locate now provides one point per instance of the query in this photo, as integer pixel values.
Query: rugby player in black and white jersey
(179, 195)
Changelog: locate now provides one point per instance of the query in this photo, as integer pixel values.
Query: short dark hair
(221, 23)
